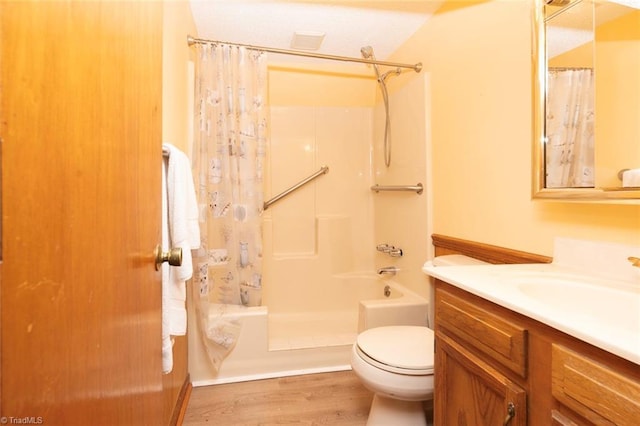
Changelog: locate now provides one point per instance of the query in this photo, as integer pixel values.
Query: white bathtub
(316, 337)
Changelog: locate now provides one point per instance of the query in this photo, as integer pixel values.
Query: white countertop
(599, 311)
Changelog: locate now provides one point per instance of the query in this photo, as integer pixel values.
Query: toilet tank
(444, 261)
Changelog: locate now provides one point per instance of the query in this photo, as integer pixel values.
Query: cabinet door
(595, 391)
(471, 392)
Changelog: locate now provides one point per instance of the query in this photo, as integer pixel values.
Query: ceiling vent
(307, 40)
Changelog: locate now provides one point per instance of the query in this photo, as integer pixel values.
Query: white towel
(180, 229)
(631, 178)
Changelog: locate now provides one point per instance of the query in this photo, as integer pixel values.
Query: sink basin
(612, 304)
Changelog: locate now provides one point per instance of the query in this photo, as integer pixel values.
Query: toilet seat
(398, 349)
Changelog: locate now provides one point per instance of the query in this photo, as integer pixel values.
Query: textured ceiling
(348, 25)
(570, 27)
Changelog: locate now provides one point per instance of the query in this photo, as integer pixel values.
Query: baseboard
(272, 375)
(182, 402)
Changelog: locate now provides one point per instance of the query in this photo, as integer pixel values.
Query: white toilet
(396, 363)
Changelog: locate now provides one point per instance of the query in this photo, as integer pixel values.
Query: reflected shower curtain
(228, 159)
(569, 152)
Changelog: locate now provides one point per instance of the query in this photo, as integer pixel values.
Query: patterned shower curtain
(569, 149)
(228, 161)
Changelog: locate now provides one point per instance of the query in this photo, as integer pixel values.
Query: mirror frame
(539, 77)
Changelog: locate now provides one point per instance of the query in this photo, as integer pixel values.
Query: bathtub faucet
(390, 270)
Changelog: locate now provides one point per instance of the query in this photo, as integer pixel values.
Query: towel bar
(416, 188)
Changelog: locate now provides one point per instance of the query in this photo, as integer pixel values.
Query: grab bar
(323, 170)
(417, 188)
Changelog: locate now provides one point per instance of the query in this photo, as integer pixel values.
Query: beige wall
(176, 95)
(478, 59)
(317, 84)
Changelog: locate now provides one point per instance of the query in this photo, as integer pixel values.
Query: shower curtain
(569, 149)
(228, 159)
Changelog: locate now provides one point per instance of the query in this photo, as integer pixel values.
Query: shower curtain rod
(417, 67)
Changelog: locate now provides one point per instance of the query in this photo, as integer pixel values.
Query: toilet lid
(405, 347)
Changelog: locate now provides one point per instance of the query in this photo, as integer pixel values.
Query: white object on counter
(445, 260)
(631, 178)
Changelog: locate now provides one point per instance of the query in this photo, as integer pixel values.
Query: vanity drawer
(593, 390)
(501, 340)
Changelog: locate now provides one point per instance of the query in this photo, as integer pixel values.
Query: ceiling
(572, 26)
(348, 25)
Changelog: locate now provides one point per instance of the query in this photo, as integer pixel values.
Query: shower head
(367, 52)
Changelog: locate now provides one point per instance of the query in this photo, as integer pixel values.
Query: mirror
(586, 62)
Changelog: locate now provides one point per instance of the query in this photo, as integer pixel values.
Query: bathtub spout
(389, 270)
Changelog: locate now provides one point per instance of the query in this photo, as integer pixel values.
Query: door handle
(173, 256)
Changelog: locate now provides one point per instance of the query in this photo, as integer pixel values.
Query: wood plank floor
(316, 399)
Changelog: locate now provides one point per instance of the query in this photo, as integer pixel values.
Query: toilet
(396, 363)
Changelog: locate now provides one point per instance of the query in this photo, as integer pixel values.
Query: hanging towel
(180, 230)
(631, 178)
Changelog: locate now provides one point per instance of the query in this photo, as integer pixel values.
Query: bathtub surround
(316, 337)
(327, 229)
(230, 141)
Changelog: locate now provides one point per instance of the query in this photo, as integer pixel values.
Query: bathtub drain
(387, 291)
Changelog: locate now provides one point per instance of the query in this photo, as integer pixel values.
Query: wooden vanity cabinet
(489, 359)
(471, 392)
(480, 364)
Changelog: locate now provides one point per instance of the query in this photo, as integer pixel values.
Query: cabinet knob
(511, 412)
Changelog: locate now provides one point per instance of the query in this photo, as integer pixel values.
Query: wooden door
(469, 392)
(81, 139)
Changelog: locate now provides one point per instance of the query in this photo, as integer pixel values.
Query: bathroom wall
(177, 96)
(478, 56)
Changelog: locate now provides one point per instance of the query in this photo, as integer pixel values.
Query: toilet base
(387, 411)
